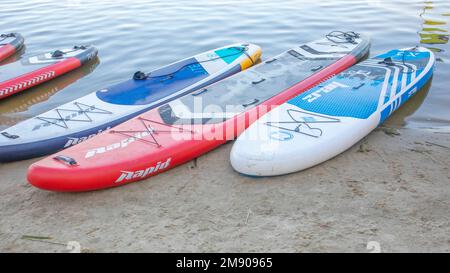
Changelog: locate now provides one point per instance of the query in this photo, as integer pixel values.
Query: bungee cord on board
(340, 37)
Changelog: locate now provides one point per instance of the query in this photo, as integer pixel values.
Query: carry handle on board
(250, 103)
(258, 82)
(66, 160)
(204, 90)
(6, 134)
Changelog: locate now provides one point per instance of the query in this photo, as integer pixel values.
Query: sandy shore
(392, 188)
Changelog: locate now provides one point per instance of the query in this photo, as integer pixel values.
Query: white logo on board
(324, 90)
(127, 175)
(77, 140)
(408, 54)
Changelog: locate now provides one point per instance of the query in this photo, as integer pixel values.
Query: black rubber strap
(5, 134)
(255, 101)
(66, 160)
(58, 54)
(258, 82)
(139, 76)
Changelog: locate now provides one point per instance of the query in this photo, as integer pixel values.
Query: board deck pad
(83, 118)
(330, 118)
(180, 130)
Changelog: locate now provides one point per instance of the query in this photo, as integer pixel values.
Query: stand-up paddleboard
(10, 44)
(190, 126)
(330, 118)
(34, 70)
(83, 118)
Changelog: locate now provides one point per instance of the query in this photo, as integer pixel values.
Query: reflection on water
(434, 29)
(434, 34)
(15, 110)
(409, 108)
(142, 35)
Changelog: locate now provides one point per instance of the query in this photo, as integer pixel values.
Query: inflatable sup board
(332, 117)
(192, 125)
(78, 120)
(34, 70)
(10, 44)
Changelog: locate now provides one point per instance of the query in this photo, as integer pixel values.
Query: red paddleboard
(190, 126)
(10, 44)
(31, 71)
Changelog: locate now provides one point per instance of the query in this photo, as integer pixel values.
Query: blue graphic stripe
(230, 54)
(390, 109)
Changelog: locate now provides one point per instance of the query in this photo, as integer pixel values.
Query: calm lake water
(143, 35)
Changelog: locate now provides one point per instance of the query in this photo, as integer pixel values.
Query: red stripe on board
(37, 77)
(6, 51)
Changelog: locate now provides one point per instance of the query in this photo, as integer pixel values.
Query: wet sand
(393, 188)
